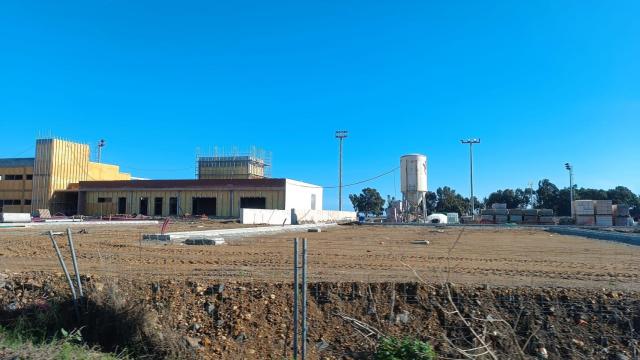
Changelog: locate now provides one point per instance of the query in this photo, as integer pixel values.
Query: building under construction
(253, 164)
(61, 178)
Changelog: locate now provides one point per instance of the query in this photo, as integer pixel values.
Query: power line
(352, 184)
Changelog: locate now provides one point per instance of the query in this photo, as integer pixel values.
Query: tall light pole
(471, 142)
(570, 168)
(340, 134)
(101, 144)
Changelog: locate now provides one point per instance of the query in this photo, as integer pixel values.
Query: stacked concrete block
(604, 220)
(530, 216)
(604, 212)
(487, 219)
(487, 216)
(603, 207)
(621, 215)
(584, 212)
(452, 218)
(501, 219)
(515, 216)
(545, 216)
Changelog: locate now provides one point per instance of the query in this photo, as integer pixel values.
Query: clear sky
(540, 82)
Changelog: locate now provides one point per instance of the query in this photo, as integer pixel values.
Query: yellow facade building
(49, 180)
(62, 179)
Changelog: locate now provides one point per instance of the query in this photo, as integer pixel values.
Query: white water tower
(413, 179)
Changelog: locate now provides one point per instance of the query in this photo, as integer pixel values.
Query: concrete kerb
(625, 238)
(181, 237)
(588, 232)
(49, 224)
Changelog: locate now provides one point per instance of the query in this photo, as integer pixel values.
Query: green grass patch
(391, 348)
(29, 343)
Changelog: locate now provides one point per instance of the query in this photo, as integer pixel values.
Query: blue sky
(540, 82)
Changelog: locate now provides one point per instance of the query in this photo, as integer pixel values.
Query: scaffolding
(234, 164)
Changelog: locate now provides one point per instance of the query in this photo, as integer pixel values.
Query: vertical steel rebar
(75, 261)
(295, 298)
(304, 298)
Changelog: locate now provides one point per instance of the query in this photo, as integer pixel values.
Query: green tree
(432, 201)
(548, 195)
(368, 202)
(591, 194)
(622, 195)
(513, 198)
(450, 201)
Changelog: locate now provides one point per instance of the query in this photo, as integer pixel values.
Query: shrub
(391, 348)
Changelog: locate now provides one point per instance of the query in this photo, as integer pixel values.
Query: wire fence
(462, 289)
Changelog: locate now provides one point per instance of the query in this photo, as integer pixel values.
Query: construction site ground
(517, 256)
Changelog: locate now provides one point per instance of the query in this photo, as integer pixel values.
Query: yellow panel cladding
(60, 163)
(98, 171)
(16, 189)
(105, 203)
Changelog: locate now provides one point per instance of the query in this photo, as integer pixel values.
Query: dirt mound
(253, 320)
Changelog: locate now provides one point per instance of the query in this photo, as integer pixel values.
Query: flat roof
(17, 162)
(198, 184)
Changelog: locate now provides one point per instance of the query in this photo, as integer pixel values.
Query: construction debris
(420, 242)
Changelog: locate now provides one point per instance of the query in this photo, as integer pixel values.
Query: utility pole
(101, 144)
(340, 134)
(570, 168)
(471, 142)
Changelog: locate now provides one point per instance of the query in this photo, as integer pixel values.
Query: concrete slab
(237, 233)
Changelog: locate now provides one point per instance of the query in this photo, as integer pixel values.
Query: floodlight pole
(340, 134)
(471, 142)
(101, 144)
(570, 168)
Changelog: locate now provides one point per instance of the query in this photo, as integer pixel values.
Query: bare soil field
(492, 256)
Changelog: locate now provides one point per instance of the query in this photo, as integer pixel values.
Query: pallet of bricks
(621, 215)
(530, 216)
(604, 212)
(515, 216)
(487, 216)
(584, 212)
(545, 217)
(501, 213)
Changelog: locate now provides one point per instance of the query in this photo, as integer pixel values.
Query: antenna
(101, 144)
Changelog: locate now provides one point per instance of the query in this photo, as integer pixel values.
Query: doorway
(204, 206)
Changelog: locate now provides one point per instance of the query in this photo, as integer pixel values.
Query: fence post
(74, 260)
(66, 273)
(304, 298)
(295, 298)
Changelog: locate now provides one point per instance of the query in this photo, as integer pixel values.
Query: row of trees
(546, 196)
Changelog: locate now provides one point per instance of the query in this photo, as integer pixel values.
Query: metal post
(340, 180)
(295, 298)
(66, 272)
(471, 142)
(471, 172)
(304, 298)
(74, 261)
(570, 168)
(341, 134)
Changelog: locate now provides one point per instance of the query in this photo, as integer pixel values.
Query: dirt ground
(494, 256)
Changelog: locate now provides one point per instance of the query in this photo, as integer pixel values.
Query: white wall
(302, 216)
(15, 217)
(294, 216)
(298, 195)
(264, 216)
